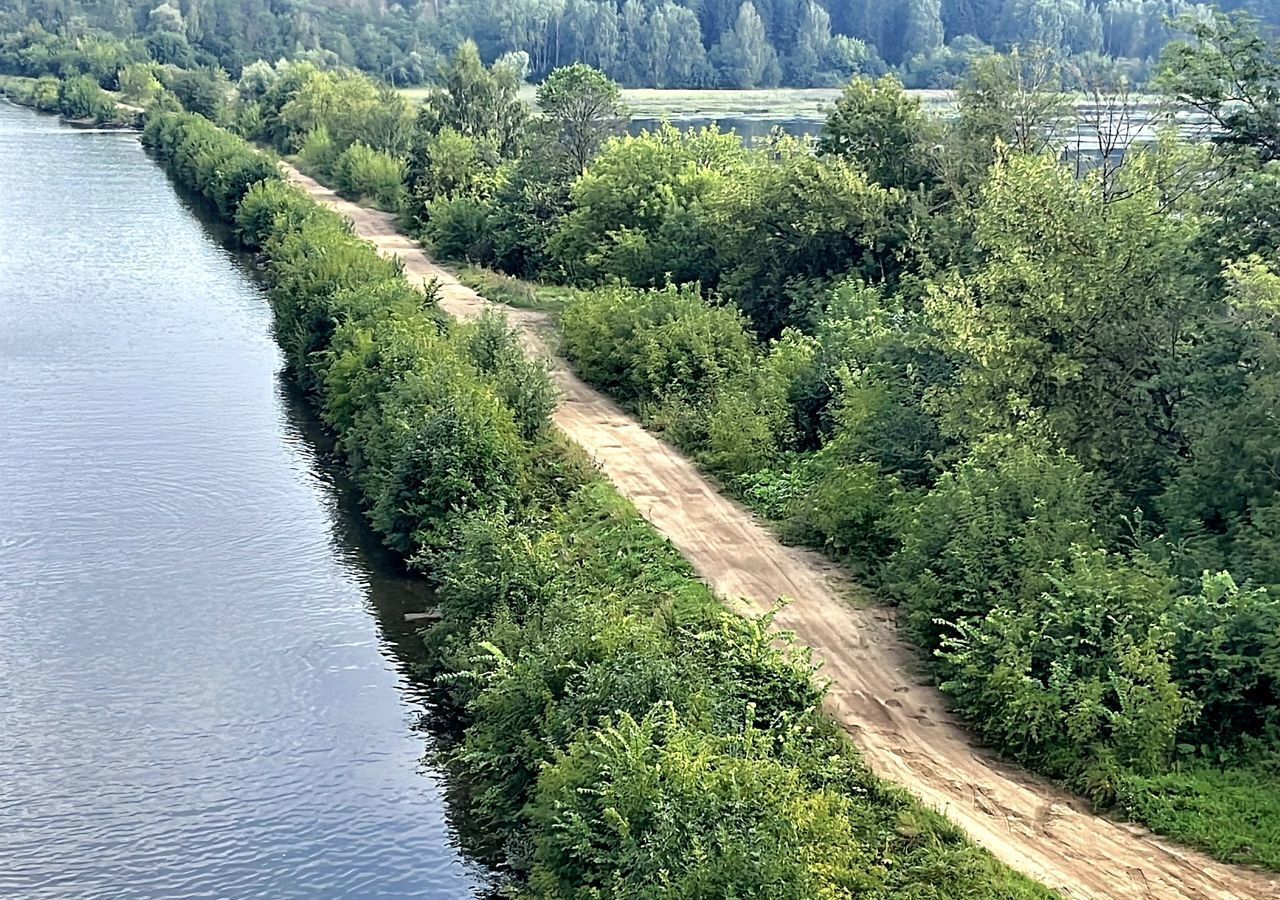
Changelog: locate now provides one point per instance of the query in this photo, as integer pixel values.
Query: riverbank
(82, 105)
(569, 557)
(901, 726)
(205, 693)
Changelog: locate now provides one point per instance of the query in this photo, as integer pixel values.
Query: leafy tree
(812, 46)
(583, 108)
(1081, 317)
(1014, 98)
(477, 103)
(881, 128)
(637, 212)
(923, 29)
(744, 55)
(793, 224)
(203, 92)
(1230, 74)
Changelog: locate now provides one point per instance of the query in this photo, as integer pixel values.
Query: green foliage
(1229, 72)
(655, 345)
(1227, 655)
(1077, 680)
(636, 213)
(476, 102)
(216, 164)
(1080, 315)
(793, 219)
(641, 806)
(81, 98)
(446, 165)
(583, 108)
(361, 172)
(988, 533)
(458, 228)
(881, 128)
(744, 55)
(616, 714)
(318, 153)
(201, 91)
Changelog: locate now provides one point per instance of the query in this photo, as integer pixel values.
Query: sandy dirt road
(901, 726)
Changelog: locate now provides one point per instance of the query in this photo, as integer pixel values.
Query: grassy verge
(514, 292)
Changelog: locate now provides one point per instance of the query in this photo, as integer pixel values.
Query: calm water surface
(198, 695)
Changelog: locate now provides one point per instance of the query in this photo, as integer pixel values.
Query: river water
(203, 687)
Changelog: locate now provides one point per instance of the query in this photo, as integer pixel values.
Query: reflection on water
(203, 663)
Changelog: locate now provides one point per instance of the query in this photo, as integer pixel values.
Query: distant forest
(640, 43)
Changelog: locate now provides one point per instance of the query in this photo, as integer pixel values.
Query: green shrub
(656, 344)
(318, 153)
(82, 98)
(457, 228)
(988, 533)
(215, 163)
(1077, 681)
(637, 808)
(363, 173)
(271, 207)
(1226, 654)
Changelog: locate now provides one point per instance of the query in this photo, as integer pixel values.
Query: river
(203, 661)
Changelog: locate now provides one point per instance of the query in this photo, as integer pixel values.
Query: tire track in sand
(901, 726)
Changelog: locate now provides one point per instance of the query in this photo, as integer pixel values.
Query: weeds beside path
(900, 725)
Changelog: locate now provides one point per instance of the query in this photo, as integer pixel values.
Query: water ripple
(195, 700)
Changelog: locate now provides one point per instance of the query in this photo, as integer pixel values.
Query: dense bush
(656, 345)
(1076, 680)
(637, 212)
(988, 533)
(82, 98)
(457, 228)
(214, 163)
(360, 172)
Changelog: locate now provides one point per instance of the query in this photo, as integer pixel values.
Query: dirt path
(901, 727)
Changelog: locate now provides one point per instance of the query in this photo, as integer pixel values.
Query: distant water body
(203, 661)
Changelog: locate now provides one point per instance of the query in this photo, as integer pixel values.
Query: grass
(1232, 814)
(515, 292)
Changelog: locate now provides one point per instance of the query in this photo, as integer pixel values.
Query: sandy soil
(901, 725)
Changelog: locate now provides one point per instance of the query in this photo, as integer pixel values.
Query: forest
(639, 43)
(1033, 404)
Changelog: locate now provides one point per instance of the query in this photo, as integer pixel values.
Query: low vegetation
(625, 734)
(1030, 401)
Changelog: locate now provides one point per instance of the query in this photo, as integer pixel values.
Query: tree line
(639, 43)
(624, 733)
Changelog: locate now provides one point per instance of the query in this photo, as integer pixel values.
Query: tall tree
(1230, 74)
(923, 34)
(583, 108)
(476, 102)
(744, 57)
(808, 56)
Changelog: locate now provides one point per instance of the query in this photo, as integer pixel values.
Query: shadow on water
(391, 591)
